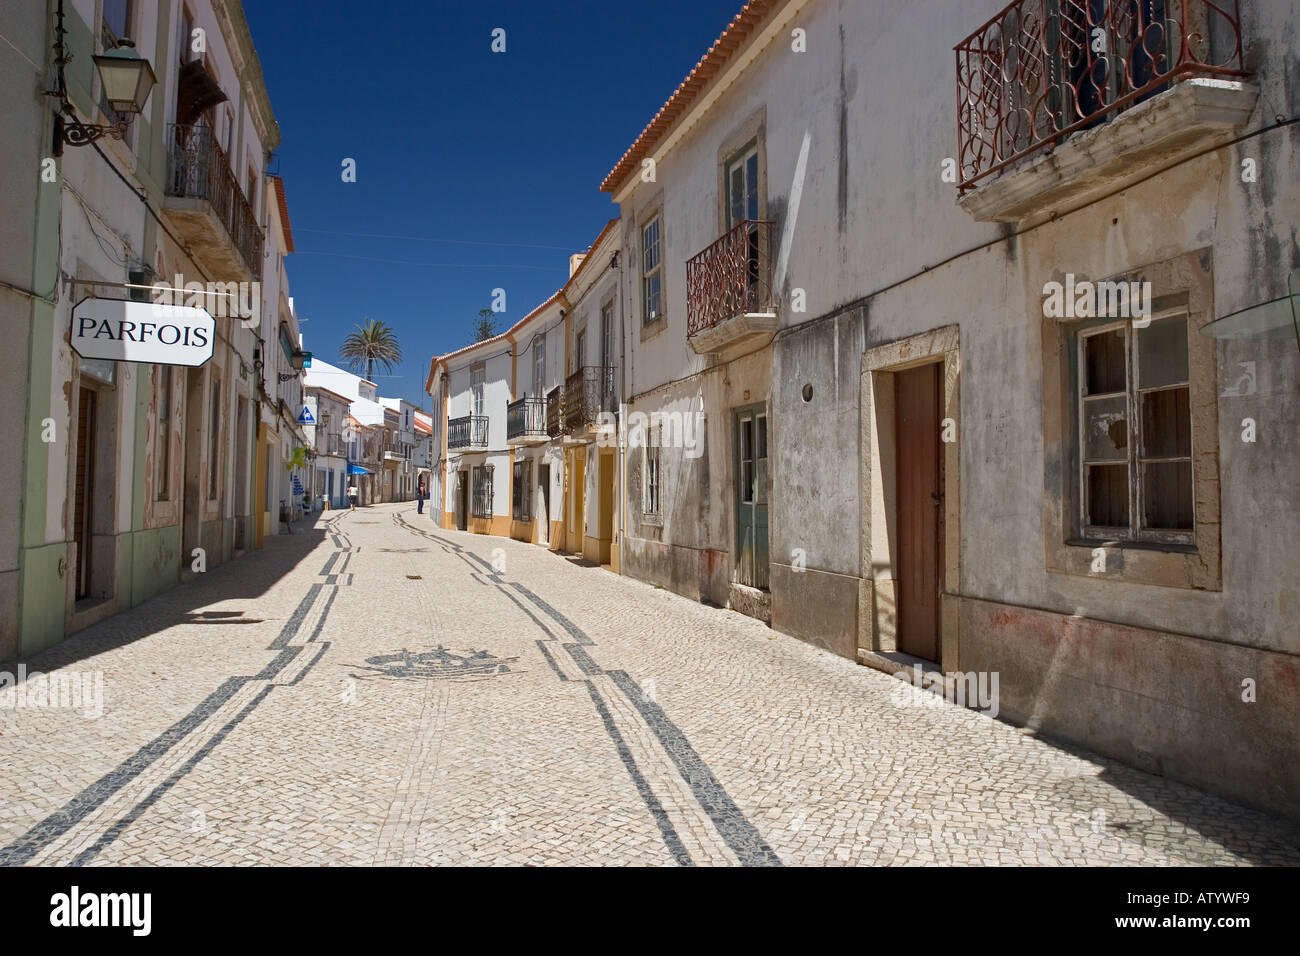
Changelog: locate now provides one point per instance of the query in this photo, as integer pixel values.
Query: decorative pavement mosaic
(396, 693)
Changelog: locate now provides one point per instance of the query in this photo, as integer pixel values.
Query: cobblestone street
(373, 691)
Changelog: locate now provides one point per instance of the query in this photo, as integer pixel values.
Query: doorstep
(891, 662)
(751, 602)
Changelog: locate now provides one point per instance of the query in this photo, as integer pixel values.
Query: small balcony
(1060, 101)
(468, 432)
(554, 423)
(588, 393)
(526, 422)
(205, 206)
(730, 303)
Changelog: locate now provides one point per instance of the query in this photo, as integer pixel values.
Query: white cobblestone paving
(369, 691)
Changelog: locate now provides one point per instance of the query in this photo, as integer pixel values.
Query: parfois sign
(127, 331)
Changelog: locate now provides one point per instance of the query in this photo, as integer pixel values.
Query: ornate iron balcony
(731, 277)
(554, 425)
(1042, 69)
(526, 421)
(469, 431)
(588, 392)
(198, 169)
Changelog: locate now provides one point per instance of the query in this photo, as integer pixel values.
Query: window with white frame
(539, 365)
(651, 272)
(650, 477)
(607, 334)
(477, 378)
(1134, 440)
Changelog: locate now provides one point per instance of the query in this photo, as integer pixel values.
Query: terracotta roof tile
(731, 39)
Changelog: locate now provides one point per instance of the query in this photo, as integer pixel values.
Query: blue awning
(357, 470)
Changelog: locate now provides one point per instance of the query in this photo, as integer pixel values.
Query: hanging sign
(127, 331)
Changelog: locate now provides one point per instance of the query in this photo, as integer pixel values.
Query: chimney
(575, 260)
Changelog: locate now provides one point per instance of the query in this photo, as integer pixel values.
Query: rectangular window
(742, 187)
(753, 459)
(186, 48)
(539, 366)
(162, 453)
(1135, 433)
(214, 441)
(580, 349)
(114, 25)
(481, 506)
(607, 334)
(520, 490)
(116, 22)
(651, 474)
(477, 378)
(651, 273)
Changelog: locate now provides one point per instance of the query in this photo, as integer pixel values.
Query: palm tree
(372, 343)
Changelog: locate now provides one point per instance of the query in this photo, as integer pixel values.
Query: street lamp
(127, 79)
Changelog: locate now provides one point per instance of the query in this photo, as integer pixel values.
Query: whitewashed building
(846, 262)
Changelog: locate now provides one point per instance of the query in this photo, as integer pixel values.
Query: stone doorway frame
(877, 627)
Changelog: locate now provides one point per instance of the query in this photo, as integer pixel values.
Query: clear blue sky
(502, 153)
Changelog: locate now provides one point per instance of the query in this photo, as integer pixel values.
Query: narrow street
(373, 690)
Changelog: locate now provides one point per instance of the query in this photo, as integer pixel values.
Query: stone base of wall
(819, 607)
(1167, 703)
(701, 574)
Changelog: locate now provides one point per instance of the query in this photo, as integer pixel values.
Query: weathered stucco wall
(855, 133)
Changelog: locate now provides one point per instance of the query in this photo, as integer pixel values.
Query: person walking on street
(419, 496)
(352, 494)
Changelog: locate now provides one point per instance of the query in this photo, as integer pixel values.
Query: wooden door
(751, 496)
(84, 490)
(920, 503)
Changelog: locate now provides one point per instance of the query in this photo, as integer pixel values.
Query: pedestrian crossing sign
(305, 417)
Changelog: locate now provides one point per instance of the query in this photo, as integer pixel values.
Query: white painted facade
(893, 273)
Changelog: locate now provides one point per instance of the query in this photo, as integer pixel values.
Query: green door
(751, 496)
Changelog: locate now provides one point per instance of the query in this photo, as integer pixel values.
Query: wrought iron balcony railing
(588, 392)
(554, 424)
(198, 169)
(1042, 69)
(731, 277)
(526, 418)
(469, 431)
